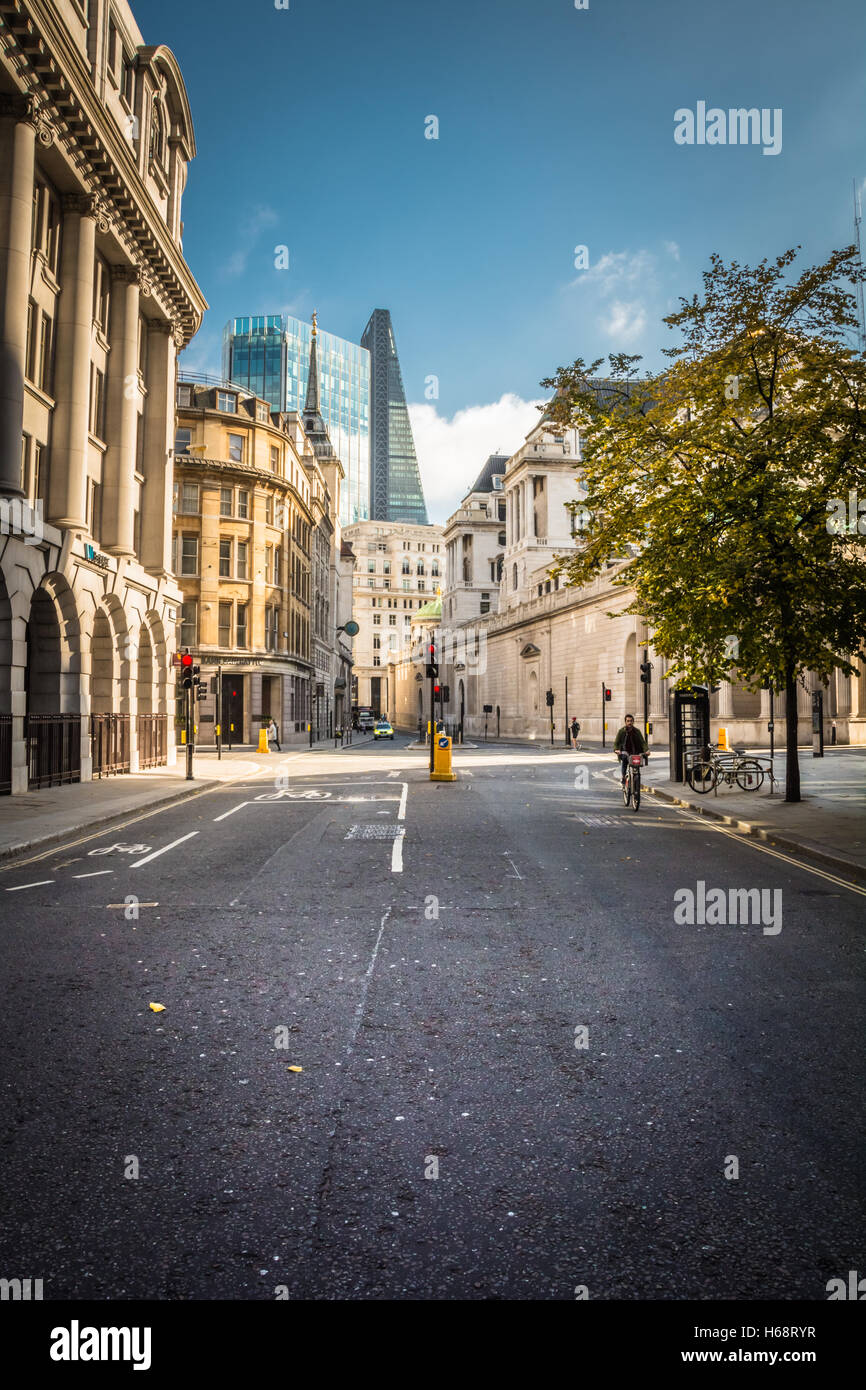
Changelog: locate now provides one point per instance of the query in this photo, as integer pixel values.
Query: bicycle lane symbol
(294, 796)
(120, 849)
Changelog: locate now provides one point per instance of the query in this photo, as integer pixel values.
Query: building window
(182, 440)
(392, 619)
(275, 458)
(97, 402)
(485, 603)
(226, 501)
(188, 624)
(371, 566)
(377, 660)
(42, 368)
(236, 448)
(514, 576)
(157, 134)
(227, 401)
(421, 585)
(39, 479)
(262, 412)
(225, 558)
(278, 564)
(434, 569)
(406, 584)
(224, 633)
(405, 569)
(189, 498)
(127, 81)
(269, 509)
(94, 492)
(242, 625)
(243, 549)
(243, 504)
(386, 566)
(184, 396)
(419, 568)
(500, 539)
(101, 282)
(189, 555)
(376, 619)
(270, 628)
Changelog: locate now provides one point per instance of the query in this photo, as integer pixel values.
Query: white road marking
(239, 807)
(19, 886)
(359, 1012)
(401, 814)
(517, 872)
(157, 852)
(97, 873)
(397, 853)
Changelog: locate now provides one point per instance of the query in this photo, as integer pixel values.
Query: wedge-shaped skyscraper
(395, 481)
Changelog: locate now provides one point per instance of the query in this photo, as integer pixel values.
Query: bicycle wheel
(702, 777)
(750, 775)
(626, 790)
(636, 791)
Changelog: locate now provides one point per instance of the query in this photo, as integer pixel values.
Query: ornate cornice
(31, 110)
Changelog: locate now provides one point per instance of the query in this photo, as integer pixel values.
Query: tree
(722, 482)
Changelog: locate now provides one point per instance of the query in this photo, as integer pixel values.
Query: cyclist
(629, 740)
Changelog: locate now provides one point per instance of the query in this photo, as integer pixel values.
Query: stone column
(67, 500)
(18, 120)
(118, 488)
(158, 424)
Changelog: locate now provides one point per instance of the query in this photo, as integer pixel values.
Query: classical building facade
(248, 500)
(95, 298)
(475, 541)
(398, 568)
(574, 642)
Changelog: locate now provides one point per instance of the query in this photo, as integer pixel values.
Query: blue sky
(555, 130)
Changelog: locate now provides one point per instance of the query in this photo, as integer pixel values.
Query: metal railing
(109, 743)
(152, 734)
(53, 749)
(5, 754)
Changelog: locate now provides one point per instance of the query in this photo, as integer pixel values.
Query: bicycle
(631, 785)
(718, 765)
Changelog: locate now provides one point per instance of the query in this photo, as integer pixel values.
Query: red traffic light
(436, 690)
(186, 659)
(607, 694)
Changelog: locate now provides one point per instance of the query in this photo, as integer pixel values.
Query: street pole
(188, 693)
(432, 703)
(772, 738)
(565, 713)
(219, 709)
(603, 707)
(646, 697)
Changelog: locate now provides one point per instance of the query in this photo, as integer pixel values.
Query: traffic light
(446, 694)
(437, 691)
(432, 663)
(214, 685)
(646, 670)
(201, 692)
(550, 699)
(607, 692)
(186, 670)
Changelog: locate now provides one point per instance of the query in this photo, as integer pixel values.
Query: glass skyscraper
(395, 493)
(270, 354)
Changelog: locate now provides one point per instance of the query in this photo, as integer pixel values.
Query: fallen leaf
(157, 1008)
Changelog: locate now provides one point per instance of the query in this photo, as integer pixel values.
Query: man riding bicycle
(629, 740)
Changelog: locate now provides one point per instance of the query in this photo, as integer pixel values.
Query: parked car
(383, 729)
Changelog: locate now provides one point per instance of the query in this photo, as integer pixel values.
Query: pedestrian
(273, 735)
(575, 731)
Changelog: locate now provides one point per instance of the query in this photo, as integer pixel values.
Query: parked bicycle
(728, 767)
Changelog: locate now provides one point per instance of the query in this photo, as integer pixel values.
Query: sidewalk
(37, 819)
(828, 824)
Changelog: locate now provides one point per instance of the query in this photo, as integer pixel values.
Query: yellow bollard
(442, 760)
(723, 741)
(263, 741)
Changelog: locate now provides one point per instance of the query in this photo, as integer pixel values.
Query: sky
(556, 131)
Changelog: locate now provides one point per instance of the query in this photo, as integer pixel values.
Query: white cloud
(259, 218)
(624, 321)
(672, 249)
(451, 453)
(617, 268)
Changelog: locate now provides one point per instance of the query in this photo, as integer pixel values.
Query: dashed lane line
(19, 886)
(165, 849)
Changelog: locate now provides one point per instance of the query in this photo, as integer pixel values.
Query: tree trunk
(792, 765)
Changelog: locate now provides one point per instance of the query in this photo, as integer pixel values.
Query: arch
(145, 673)
(461, 700)
(630, 676)
(159, 647)
(103, 666)
(532, 690)
(165, 66)
(52, 677)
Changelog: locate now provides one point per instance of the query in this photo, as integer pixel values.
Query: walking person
(575, 733)
(273, 735)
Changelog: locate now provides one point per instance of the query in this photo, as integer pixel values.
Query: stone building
(475, 540)
(95, 298)
(399, 566)
(248, 497)
(546, 637)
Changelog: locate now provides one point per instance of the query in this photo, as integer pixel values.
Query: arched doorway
(52, 730)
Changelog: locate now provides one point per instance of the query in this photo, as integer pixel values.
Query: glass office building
(270, 354)
(395, 493)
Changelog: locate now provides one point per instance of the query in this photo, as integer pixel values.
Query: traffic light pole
(189, 698)
(219, 709)
(646, 695)
(603, 713)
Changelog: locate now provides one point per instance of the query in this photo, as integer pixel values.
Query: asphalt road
(425, 953)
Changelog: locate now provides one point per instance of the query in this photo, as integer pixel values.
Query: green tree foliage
(720, 482)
